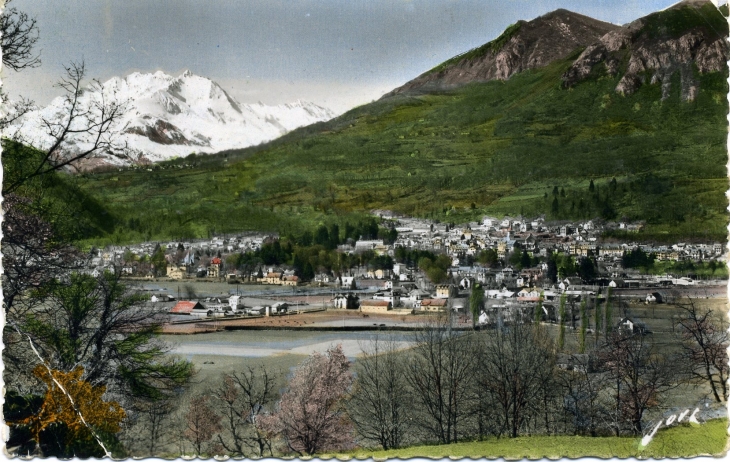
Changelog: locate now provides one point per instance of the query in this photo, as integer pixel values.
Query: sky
(336, 53)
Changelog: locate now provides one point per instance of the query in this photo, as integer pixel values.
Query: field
(681, 441)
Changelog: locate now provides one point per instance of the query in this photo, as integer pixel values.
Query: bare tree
(152, 429)
(516, 365)
(379, 403)
(33, 250)
(86, 127)
(705, 342)
(242, 398)
(19, 37)
(31, 253)
(640, 375)
(311, 417)
(14, 110)
(202, 423)
(441, 374)
(582, 395)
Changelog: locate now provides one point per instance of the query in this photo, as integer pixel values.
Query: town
(517, 261)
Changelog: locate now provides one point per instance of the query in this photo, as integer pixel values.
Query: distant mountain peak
(523, 45)
(170, 116)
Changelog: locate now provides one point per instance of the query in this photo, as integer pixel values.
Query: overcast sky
(337, 53)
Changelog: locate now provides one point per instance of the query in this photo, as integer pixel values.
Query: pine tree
(334, 236)
(597, 318)
(583, 327)
(475, 302)
(607, 315)
(525, 260)
(538, 309)
(298, 265)
(561, 331)
(308, 272)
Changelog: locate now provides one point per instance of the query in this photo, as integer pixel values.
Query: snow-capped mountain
(167, 116)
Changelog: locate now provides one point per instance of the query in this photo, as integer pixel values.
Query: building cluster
(199, 257)
(538, 238)
(507, 287)
(406, 286)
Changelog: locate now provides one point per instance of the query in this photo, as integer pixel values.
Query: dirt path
(332, 318)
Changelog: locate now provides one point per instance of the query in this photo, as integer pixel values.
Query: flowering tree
(311, 417)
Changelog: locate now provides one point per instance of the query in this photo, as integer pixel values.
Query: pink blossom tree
(311, 417)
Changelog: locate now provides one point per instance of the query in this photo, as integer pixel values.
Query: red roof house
(185, 307)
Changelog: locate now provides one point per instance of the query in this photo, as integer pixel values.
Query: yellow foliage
(87, 401)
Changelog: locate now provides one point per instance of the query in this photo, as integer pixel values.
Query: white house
(235, 302)
(347, 281)
(503, 293)
(363, 245)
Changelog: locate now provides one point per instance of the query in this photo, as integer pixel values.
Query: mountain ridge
(528, 145)
(555, 35)
(684, 38)
(167, 116)
(522, 46)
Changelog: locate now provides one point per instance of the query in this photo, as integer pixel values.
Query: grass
(709, 438)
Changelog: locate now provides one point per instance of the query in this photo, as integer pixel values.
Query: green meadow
(684, 440)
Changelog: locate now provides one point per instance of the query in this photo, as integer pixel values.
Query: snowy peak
(168, 116)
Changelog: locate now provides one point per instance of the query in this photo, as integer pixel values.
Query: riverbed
(267, 343)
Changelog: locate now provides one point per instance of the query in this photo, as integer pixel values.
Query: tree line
(452, 386)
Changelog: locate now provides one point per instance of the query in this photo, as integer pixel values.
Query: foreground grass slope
(500, 147)
(681, 441)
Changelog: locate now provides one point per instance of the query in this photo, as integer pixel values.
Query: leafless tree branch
(19, 37)
(88, 124)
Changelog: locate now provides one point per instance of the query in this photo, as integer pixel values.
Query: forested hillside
(527, 145)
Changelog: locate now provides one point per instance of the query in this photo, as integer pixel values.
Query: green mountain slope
(73, 213)
(500, 147)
